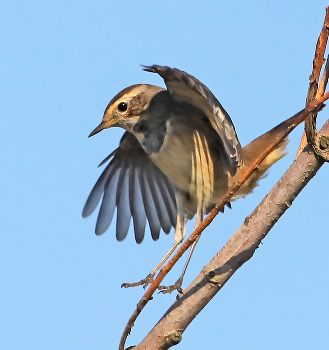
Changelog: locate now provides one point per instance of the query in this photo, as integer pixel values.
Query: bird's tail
(255, 148)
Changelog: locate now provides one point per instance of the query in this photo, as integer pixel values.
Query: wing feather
(136, 205)
(107, 208)
(183, 87)
(122, 202)
(158, 201)
(134, 185)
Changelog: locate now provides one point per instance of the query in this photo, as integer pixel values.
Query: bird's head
(126, 107)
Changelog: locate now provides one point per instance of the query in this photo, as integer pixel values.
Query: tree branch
(314, 90)
(318, 142)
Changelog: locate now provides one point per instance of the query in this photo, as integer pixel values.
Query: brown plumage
(179, 155)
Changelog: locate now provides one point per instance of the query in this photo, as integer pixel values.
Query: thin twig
(314, 106)
(314, 81)
(319, 143)
(318, 58)
(324, 81)
(314, 139)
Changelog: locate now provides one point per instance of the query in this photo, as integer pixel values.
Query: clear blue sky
(60, 64)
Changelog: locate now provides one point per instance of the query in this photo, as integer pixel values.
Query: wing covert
(183, 87)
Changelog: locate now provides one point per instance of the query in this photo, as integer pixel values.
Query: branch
(318, 142)
(239, 249)
(309, 135)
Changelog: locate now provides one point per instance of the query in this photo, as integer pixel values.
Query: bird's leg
(179, 236)
(149, 279)
(180, 233)
(178, 285)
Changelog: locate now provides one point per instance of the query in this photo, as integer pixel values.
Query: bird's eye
(122, 106)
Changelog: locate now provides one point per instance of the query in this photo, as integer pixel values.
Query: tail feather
(254, 149)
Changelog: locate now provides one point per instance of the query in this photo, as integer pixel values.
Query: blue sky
(60, 64)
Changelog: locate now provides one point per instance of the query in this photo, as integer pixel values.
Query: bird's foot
(168, 289)
(144, 282)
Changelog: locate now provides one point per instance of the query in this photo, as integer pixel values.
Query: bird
(178, 156)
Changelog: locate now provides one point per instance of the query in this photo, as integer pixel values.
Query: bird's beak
(103, 125)
(99, 128)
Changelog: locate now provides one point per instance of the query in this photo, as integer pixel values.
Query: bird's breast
(192, 161)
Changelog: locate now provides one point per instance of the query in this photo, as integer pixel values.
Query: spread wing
(185, 88)
(134, 185)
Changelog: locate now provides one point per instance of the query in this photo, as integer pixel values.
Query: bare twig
(324, 81)
(318, 59)
(313, 91)
(314, 106)
(318, 142)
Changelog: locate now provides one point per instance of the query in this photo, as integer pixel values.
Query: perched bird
(179, 155)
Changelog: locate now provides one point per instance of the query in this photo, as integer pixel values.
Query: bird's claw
(168, 289)
(144, 282)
